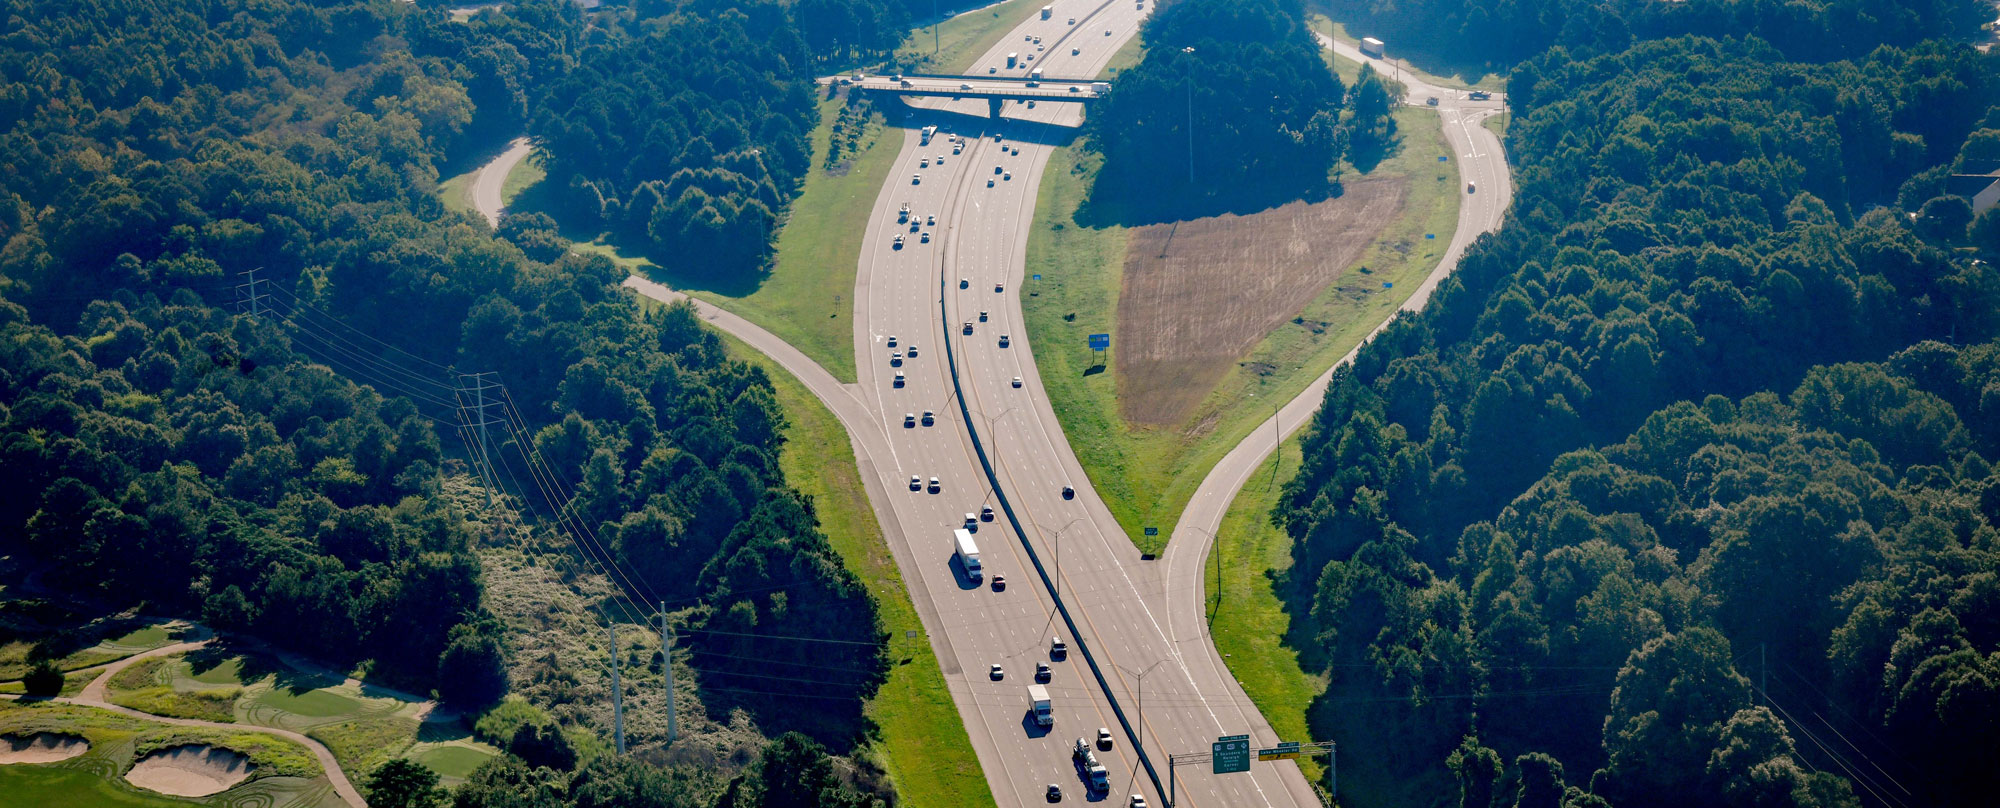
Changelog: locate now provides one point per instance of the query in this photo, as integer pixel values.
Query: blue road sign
(1430, 235)
(1038, 276)
(1388, 285)
(1099, 342)
(1152, 531)
(1442, 158)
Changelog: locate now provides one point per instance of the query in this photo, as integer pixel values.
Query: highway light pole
(1059, 532)
(1190, 112)
(1140, 738)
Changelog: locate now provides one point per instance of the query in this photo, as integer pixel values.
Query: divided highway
(956, 276)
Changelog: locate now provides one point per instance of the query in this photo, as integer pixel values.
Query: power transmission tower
(667, 673)
(617, 694)
(473, 387)
(251, 292)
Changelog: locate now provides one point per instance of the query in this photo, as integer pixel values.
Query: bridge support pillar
(993, 107)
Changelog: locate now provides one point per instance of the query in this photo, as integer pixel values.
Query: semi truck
(1048, 11)
(1038, 703)
(967, 553)
(928, 132)
(1013, 59)
(1371, 46)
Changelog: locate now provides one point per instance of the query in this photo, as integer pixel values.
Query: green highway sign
(1232, 754)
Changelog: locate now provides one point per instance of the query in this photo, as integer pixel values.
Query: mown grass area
(524, 174)
(109, 641)
(1437, 68)
(106, 730)
(364, 744)
(919, 739)
(43, 786)
(1146, 475)
(1127, 56)
(145, 686)
(961, 39)
(1247, 620)
(807, 297)
(1497, 124)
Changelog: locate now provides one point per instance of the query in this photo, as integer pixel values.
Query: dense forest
(1500, 32)
(1679, 491)
(265, 451)
(1253, 111)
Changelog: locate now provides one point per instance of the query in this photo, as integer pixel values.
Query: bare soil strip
(1198, 295)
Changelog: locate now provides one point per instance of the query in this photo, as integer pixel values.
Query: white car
(892, 340)
(999, 287)
(929, 418)
(965, 86)
(995, 672)
(1075, 51)
(913, 351)
(1017, 381)
(899, 242)
(934, 485)
(931, 219)
(1003, 340)
(916, 482)
(916, 179)
(895, 359)
(899, 378)
(991, 69)
(909, 420)
(924, 163)
(1007, 176)
(926, 237)
(982, 315)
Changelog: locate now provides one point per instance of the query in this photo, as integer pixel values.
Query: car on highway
(1054, 793)
(929, 418)
(1042, 672)
(1072, 21)
(1478, 95)
(998, 169)
(1057, 650)
(909, 420)
(996, 673)
(895, 359)
(1107, 32)
(1470, 188)
(1003, 340)
(925, 238)
(985, 512)
(924, 163)
(899, 242)
(934, 487)
(1031, 105)
(1069, 492)
(982, 315)
(956, 148)
(899, 378)
(1007, 176)
(1016, 151)
(932, 218)
(892, 340)
(992, 69)
(1103, 738)
(916, 483)
(999, 583)
(916, 179)
(963, 283)
(913, 351)
(968, 327)
(989, 183)
(1431, 101)
(999, 288)
(971, 524)
(1017, 381)
(916, 224)
(1073, 52)
(1136, 802)
(965, 86)
(1038, 40)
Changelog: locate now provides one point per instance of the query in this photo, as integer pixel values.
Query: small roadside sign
(1388, 285)
(1152, 531)
(1285, 751)
(1442, 158)
(1038, 276)
(1099, 342)
(1231, 753)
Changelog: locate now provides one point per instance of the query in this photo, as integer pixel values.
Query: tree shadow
(1367, 154)
(1129, 198)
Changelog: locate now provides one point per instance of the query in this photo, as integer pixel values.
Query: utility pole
(667, 669)
(251, 293)
(935, 19)
(1140, 736)
(617, 694)
(1190, 112)
(475, 386)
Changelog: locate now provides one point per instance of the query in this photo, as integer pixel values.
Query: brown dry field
(1198, 295)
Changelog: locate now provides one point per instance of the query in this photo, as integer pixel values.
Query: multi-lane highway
(1150, 675)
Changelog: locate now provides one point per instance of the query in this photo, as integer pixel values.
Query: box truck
(1012, 60)
(1100, 87)
(1038, 702)
(967, 553)
(1372, 47)
(1035, 77)
(1048, 11)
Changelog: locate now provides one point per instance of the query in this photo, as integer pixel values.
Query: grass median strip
(1147, 471)
(1247, 620)
(921, 744)
(961, 40)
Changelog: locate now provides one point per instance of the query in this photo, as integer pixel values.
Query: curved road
(93, 695)
(492, 177)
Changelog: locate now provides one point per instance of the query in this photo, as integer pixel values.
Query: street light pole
(1141, 676)
(1190, 112)
(1059, 532)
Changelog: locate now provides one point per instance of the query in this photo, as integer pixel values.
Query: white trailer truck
(1371, 46)
(967, 553)
(1048, 11)
(1038, 702)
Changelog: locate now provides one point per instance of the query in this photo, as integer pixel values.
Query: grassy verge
(1247, 620)
(806, 300)
(1146, 475)
(1497, 124)
(142, 686)
(456, 191)
(962, 39)
(362, 745)
(1437, 71)
(920, 741)
(107, 731)
(1125, 58)
(525, 173)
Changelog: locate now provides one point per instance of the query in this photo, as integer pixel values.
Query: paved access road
(492, 177)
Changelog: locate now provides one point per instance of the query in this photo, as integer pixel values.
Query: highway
(1139, 618)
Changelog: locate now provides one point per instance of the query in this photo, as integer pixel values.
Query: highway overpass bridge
(997, 90)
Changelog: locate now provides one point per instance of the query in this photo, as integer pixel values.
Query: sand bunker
(42, 747)
(190, 771)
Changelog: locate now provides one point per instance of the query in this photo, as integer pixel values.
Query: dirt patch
(41, 747)
(190, 771)
(1198, 295)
